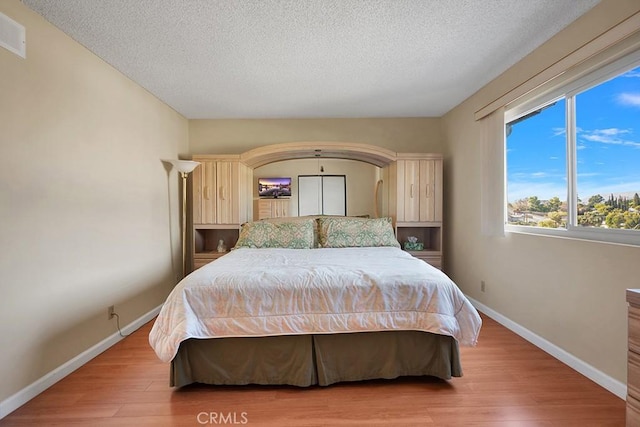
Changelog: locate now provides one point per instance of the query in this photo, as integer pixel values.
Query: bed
(314, 302)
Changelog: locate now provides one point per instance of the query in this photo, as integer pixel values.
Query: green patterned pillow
(297, 219)
(355, 232)
(293, 235)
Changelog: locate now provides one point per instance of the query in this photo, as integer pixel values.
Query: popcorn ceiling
(311, 58)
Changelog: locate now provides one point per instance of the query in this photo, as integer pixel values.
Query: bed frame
(306, 360)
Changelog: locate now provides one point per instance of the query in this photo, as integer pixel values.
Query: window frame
(569, 91)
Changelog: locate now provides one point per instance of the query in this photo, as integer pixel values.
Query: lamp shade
(186, 166)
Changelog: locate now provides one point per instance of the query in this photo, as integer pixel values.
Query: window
(573, 158)
(537, 167)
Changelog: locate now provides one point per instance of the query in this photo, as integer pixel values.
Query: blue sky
(608, 145)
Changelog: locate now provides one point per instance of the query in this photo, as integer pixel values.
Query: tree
(591, 219)
(557, 217)
(521, 206)
(554, 204)
(548, 223)
(615, 219)
(603, 208)
(594, 200)
(622, 203)
(535, 205)
(636, 200)
(631, 220)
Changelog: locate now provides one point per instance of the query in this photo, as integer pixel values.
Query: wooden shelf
(205, 242)
(431, 236)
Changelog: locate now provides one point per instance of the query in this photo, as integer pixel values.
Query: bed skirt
(305, 360)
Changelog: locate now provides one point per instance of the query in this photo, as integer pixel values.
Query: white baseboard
(614, 386)
(23, 396)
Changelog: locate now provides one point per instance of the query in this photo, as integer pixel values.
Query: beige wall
(85, 217)
(238, 136)
(570, 292)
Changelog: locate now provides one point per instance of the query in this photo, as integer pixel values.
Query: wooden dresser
(633, 359)
(273, 208)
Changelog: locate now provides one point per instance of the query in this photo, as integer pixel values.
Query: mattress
(278, 291)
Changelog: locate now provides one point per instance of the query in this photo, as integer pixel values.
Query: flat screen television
(274, 187)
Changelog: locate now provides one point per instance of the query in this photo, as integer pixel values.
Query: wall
(361, 178)
(88, 211)
(237, 136)
(570, 292)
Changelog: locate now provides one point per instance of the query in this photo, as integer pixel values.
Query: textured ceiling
(311, 58)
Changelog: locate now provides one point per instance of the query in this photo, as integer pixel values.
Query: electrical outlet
(110, 311)
(483, 286)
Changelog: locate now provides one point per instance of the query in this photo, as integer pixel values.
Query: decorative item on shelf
(221, 246)
(412, 244)
(185, 167)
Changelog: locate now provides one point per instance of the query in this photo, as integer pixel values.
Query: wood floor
(506, 382)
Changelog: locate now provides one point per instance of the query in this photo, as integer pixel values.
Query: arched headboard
(308, 150)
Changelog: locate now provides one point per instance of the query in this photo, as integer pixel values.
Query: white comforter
(265, 292)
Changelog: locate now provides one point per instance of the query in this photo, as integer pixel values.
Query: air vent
(12, 36)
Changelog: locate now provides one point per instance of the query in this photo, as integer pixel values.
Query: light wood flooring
(507, 382)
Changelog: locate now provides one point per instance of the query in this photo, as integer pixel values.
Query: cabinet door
(412, 192)
(322, 195)
(286, 206)
(227, 177)
(273, 208)
(334, 195)
(430, 190)
(419, 190)
(309, 195)
(221, 192)
(280, 208)
(204, 201)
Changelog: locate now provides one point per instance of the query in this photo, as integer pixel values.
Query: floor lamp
(185, 167)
